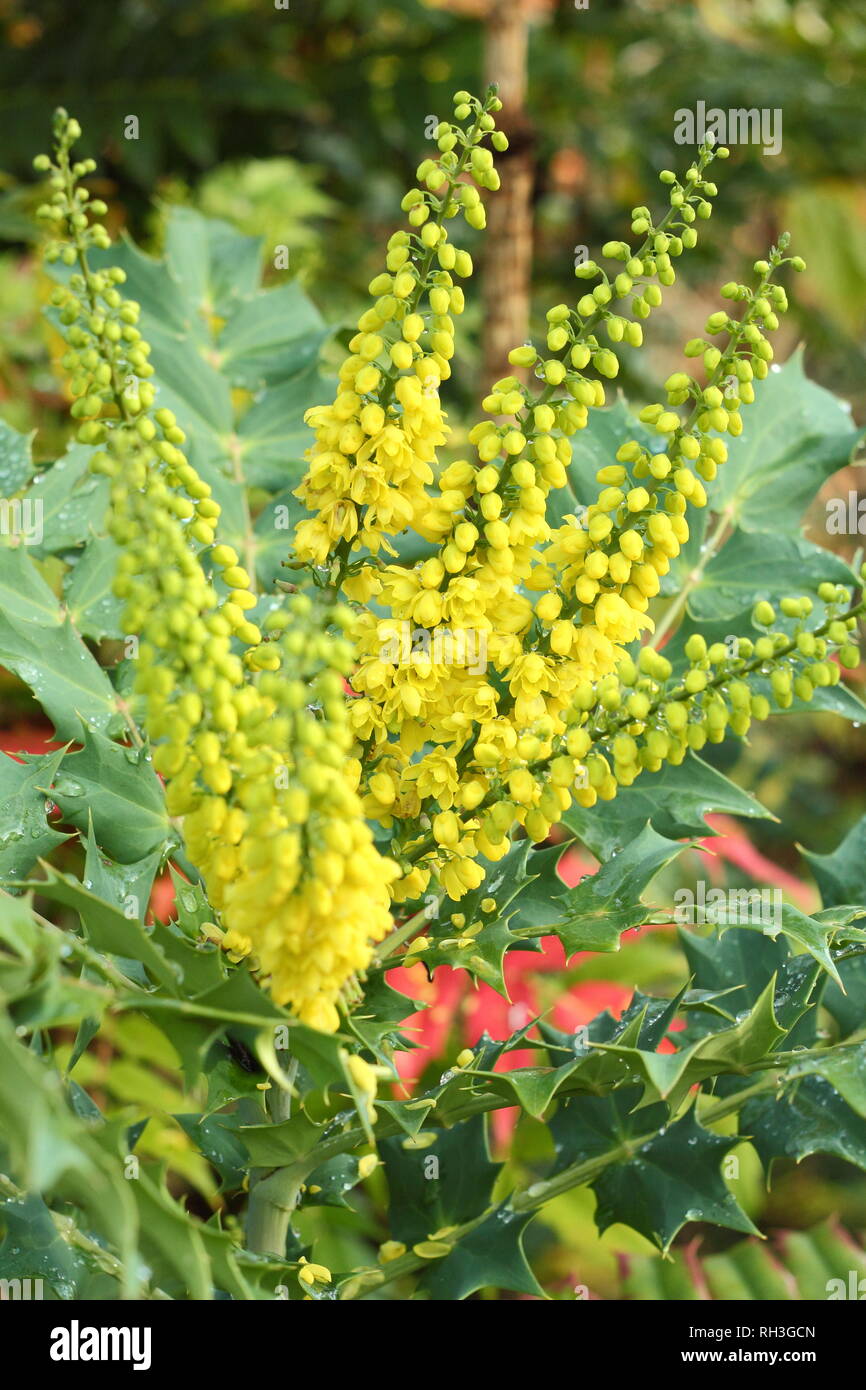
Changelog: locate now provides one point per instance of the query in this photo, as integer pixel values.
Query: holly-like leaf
(674, 800)
(841, 875)
(750, 567)
(33, 1250)
(669, 1179)
(490, 1256)
(216, 1136)
(66, 679)
(848, 1008)
(117, 789)
(93, 606)
(797, 435)
(25, 834)
(15, 461)
(602, 906)
(106, 927)
(328, 1184)
(24, 594)
(274, 528)
(72, 502)
(728, 1050)
(809, 1118)
(127, 886)
(844, 1068)
(441, 1184)
(273, 335)
(811, 933)
(272, 436)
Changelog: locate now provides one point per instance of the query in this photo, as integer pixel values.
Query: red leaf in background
(27, 737)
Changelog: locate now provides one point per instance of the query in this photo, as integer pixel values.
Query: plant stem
(529, 1199)
(274, 1195)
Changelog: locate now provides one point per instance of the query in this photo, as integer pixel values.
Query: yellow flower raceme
(251, 736)
(481, 688)
(371, 464)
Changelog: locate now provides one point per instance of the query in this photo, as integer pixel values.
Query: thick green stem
(274, 1196)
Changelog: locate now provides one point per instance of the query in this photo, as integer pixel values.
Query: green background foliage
(134, 1054)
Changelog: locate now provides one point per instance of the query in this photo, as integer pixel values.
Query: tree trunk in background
(508, 249)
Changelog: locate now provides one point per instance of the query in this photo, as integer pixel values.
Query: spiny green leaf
(25, 834)
(729, 1050)
(844, 1068)
(272, 437)
(127, 886)
(106, 927)
(598, 910)
(667, 1180)
(841, 875)
(443, 1184)
(752, 567)
(809, 1118)
(73, 501)
(490, 1256)
(814, 936)
(273, 335)
(93, 606)
(63, 675)
(15, 461)
(797, 435)
(674, 800)
(24, 594)
(117, 788)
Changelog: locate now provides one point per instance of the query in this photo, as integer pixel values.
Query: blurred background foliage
(303, 124)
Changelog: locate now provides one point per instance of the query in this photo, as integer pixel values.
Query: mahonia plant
(273, 785)
(344, 797)
(474, 751)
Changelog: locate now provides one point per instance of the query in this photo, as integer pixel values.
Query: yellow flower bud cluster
(690, 201)
(376, 443)
(609, 563)
(640, 716)
(252, 736)
(490, 518)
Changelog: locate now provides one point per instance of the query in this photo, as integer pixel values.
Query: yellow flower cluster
(376, 443)
(251, 735)
(491, 683)
(637, 718)
(463, 684)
